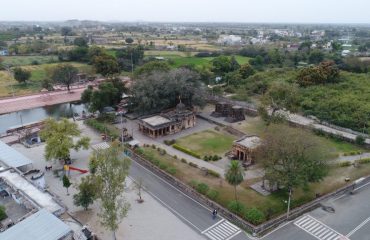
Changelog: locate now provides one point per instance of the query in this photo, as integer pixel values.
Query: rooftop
(41, 225)
(156, 120)
(43, 199)
(12, 157)
(249, 141)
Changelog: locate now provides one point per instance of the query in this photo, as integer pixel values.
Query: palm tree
(234, 174)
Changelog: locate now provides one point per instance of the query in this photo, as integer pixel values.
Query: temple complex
(169, 122)
(245, 148)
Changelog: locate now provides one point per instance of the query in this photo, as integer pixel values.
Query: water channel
(57, 111)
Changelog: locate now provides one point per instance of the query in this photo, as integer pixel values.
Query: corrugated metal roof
(41, 225)
(12, 157)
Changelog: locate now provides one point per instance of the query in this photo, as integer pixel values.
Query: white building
(229, 40)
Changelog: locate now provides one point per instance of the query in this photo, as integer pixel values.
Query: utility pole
(290, 196)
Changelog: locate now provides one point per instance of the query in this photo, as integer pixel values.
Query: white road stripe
(213, 225)
(358, 227)
(222, 230)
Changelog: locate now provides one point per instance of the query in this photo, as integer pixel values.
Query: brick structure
(236, 114)
(245, 148)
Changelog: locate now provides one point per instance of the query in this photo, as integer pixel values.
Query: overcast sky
(296, 11)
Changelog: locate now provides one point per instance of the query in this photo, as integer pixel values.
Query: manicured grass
(28, 60)
(242, 60)
(208, 142)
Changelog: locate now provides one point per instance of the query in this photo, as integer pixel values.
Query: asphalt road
(351, 219)
(197, 216)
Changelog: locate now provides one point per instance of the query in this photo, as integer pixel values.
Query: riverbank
(9, 105)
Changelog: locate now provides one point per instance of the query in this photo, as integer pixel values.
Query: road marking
(222, 230)
(358, 227)
(213, 225)
(317, 229)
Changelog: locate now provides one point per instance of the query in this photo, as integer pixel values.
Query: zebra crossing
(318, 229)
(222, 230)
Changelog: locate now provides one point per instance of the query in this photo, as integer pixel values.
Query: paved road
(199, 217)
(351, 220)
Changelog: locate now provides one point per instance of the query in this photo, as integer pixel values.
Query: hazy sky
(306, 11)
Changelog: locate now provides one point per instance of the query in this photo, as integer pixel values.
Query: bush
(360, 140)
(212, 194)
(193, 183)
(364, 161)
(169, 142)
(236, 207)
(187, 151)
(202, 188)
(213, 173)
(153, 146)
(193, 165)
(2, 213)
(172, 170)
(206, 158)
(216, 157)
(345, 164)
(163, 166)
(183, 160)
(254, 216)
(175, 157)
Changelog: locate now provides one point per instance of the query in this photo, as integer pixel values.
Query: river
(36, 114)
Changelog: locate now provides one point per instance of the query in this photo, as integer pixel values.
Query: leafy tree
(78, 54)
(130, 55)
(316, 56)
(153, 66)
(234, 65)
(21, 75)
(325, 72)
(66, 182)
(65, 31)
(159, 90)
(282, 95)
(65, 74)
(80, 42)
(129, 40)
(139, 185)
(2, 213)
(111, 172)
(221, 65)
(87, 193)
(108, 94)
(291, 158)
(234, 175)
(246, 70)
(95, 51)
(106, 65)
(59, 138)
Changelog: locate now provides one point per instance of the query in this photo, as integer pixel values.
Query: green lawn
(208, 142)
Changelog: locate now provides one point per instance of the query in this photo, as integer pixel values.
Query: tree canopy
(291, 157)
(59, 138)
(21, 75)
(65, 74)
(325, 72)
(106, 65)
(111, 170)
(159, 90)
(234, 174)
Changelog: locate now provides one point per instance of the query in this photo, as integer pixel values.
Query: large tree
(65, 74)
(161, 90)
(291, 158)
(325, 72)
(21, 75)
(87, 192)
(59, 138)
(65, 31)
(111, 170)
(234, 175)
(106, 65)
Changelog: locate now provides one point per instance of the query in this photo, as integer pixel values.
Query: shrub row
(155, 161)
(345, 164)
(204, 189)
(252, 215)
(213, 173)
(211, 158)
(193, 165)
(363, 161)
(169, 142)
(352, 153)
(185, 150)
(101, 127)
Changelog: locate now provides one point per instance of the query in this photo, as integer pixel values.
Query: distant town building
(4, 52)
(245, 148)
(167, 123)
(229, 40)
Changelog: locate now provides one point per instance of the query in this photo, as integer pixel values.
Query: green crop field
(29, 60)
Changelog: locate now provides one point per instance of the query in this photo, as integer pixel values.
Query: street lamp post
(290, 196)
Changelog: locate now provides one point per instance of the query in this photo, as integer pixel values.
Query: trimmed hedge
(345, 164)
(363, 161)
(185, 150)
(213, 173)
(101, 127)
(193, 165)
